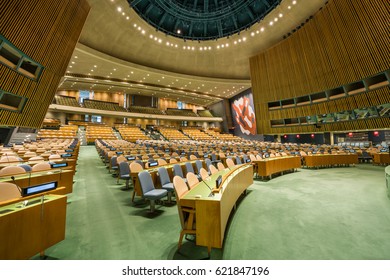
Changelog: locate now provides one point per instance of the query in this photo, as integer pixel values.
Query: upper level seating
(99, 132)
(181, 112)
(145, 110)
(65, 131)
(66, 101)
(197, 134)
(51, 123)
(172, 134)
(205, 113)
(132, 133)
(103, 105)
(226, 137)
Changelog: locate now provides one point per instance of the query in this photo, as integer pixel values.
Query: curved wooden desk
(212, 211)
(330, 160)
(269, 166)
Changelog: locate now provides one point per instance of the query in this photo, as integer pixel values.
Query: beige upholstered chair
(8, 191)
(12, 170)
(192, 179)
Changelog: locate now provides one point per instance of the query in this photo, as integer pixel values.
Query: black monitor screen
(112, 149)
(248, 160)
(58, 164)
(69, 150)
(183, 153)
(167, 150)
(153, 163)
(266, 155)
(218, 182)
(39, 188)
(130, 158)
(383, 150)
(119, 153)
(66, 155)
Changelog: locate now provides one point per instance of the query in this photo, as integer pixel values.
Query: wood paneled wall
(345, 41)
(46, 31)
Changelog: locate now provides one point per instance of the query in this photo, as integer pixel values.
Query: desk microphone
(211, 190)
(19, 188)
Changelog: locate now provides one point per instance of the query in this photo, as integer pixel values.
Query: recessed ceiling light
(119, 9)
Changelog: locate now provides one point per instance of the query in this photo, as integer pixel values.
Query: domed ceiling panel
(202, 19)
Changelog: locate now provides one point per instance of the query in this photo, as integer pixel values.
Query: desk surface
(212, 212)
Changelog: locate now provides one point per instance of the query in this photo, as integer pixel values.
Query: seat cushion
(168, 187)
(155, 194)
(125, 176)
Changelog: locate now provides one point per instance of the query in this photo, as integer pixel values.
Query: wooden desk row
(28, 230)
(330, 160)
(381, 158)
(270, 166)
(212, 212)
(63, 177)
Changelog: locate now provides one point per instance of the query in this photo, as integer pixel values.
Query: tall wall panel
(47, 32)
(346, 41)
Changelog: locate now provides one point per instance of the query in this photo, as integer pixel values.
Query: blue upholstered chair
(238, 160)
(124, 172)
(189, 167)
(199, 165)
(148, 190)
(165, 181)
(26, 167)
(178, 172)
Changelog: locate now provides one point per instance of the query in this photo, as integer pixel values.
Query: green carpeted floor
(336, 213)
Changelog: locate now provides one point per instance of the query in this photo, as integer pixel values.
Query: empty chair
(199, 165)
(186, 214)
(9, 191)
(172, 160)
(183, 159)
(203, 173)
(124, 172)
(42, 166)
(25, 167)
(192, 179)
(148, 190)
(12, 170)
(54, 157)
(135, 167)
(252, 157)
(220, 166)
(214, 158)
(258, 157)
(165, 181)
(193, 157)
(229, 162)
(177, 171)
(208, 162)
(113, 164)
(213, 169)
(37, 158)
(161, 161)
(189, 167)
(140, 162)
(238, 160)
(245, 158)
(7, 158)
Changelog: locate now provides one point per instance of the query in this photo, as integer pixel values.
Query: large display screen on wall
(243, 113)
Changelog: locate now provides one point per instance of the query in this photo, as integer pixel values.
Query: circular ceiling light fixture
(202, 20)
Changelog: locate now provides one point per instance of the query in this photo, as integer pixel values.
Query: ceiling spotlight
(178, 31)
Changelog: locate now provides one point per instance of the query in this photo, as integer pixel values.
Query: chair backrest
(25, 167)
(180, 187)
(37, 158)
(145, 181)
(213, 169)
(192, 180)
(213, 157)
(193, 157)
(124, 168)
(120, 159)
(189, 167)
(203, 173)
(258, 157)
(183, 159)
(238, 160)
(199, 165)
(41, 166)
(54, 157)
(9, 159)
(164, 176)
(12, 170)
(229, 162)
(245, 158)
(136, 167)
(172, 160)
(8, 191)
(161, 161)
(220, 166)
(208, 162)
(177, 170)
(252, 157)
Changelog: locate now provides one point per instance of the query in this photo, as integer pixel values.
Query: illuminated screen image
(244, 114)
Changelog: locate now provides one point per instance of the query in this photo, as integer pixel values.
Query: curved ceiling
(202, 20)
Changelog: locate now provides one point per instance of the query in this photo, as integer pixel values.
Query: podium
(27, 229)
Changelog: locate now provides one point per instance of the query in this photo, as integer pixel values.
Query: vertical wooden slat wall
(345, 41)
(46, 31)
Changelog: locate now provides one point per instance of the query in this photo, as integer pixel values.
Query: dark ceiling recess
(202, 19)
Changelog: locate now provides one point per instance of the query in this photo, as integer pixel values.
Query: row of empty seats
(103, 105)
(99, 132)
(172, 133)
(131, 133)
(66, 101)
(197, 134)
(65, 131)
(145, 110)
